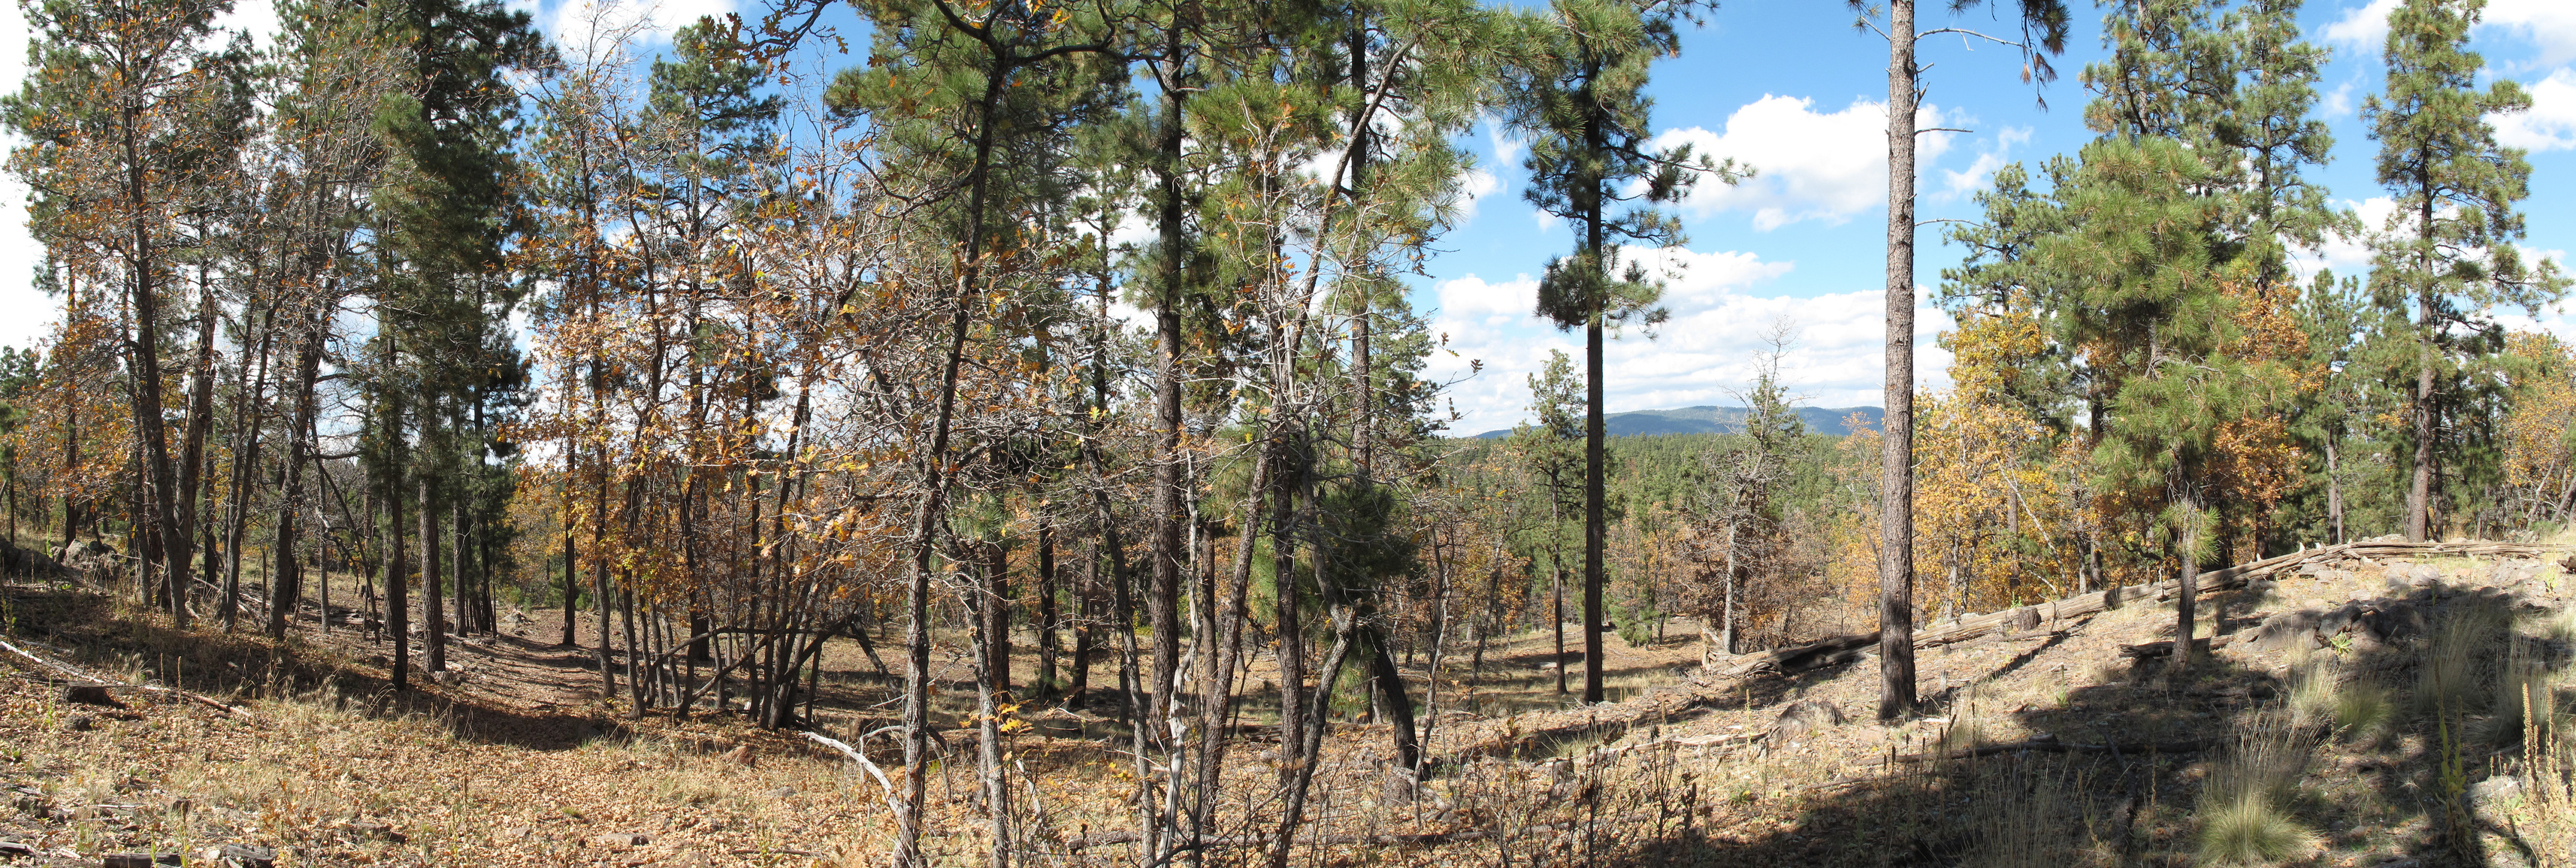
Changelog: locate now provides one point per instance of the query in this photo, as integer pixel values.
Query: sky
(1793, 89)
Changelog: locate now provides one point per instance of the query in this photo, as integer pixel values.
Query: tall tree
(1550, 449)
(2447, 250)
(442, 212)
(115, 113)
(2043, 26)
(1578, 89)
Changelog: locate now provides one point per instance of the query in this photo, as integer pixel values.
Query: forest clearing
(993, 432)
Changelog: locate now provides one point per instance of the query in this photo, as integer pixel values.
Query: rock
(239, 856)
(740, 755)
(620, 840)
(81, 723)
(2025, 619)
(1799, 719)
(90, 694)
(2391, 621)
(2285, 629)
(2499, 788)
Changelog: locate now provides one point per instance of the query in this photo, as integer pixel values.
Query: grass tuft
(2246, 829)
(2360, 709)
(2453, 671)
(2314, 695)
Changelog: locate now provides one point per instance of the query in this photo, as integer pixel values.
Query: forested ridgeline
(1064, 356)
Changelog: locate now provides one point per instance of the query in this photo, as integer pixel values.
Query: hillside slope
(2360, 711)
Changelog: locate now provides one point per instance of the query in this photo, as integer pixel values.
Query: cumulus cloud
(2366, 27)
(1978, 174)
(1812, 165)
(2341, 102)
(2549, 24)
(1474, 300)
(1704, 352)
(2348, 254)
(2550, 124)
(1478, 184)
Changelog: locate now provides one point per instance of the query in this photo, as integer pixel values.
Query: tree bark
(1896, 460)
(1163, 603)
(282, 582)
(434, 617)
(2419, 486)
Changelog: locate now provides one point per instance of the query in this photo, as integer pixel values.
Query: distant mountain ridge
(1716, 420)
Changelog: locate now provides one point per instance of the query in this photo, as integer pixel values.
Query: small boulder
(2025, 619)
(2285, 629)
(2391, 621)
(239, 856)
(1800, 719)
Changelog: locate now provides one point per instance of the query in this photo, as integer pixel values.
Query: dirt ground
(517, 761)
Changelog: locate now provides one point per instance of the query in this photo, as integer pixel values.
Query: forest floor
(2380, 728)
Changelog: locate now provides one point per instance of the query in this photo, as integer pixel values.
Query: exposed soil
(517, 760)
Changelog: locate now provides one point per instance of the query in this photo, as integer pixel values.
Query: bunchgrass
(2246, 829)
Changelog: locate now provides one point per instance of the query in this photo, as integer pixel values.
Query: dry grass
(2244, 813)
(2451, 677)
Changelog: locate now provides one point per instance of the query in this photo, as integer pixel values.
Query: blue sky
(1791, 88)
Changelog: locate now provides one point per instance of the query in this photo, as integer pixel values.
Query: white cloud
(1812, 165)
(1478, 185)
(25, 314)
(2549, 24)
(2550, 124)
(254, 18)
(2348, 255)
(579, 20)
(1693, 279)
(1473, 299)
(2340, 102)
(2365, 27)
(1703, 353)
(1508, 150)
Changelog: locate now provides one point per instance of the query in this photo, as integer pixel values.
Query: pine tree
(123, 112)
(2043, 25)
(2447, 250)
(1578, 90)
(1551, 448)
(441, 213)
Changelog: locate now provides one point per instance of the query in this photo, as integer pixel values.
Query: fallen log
(2165, 647)
(83, 676)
